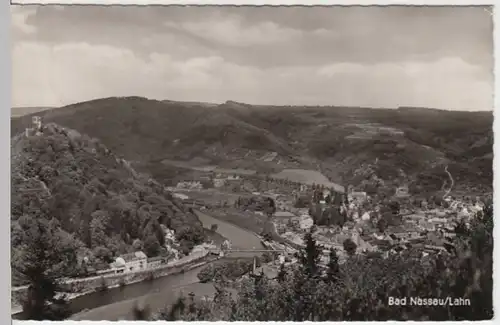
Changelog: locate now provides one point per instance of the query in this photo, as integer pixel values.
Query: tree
(159, 233)
(267, 230)
(332, 274)
(206, 274)
(381, 225)
(337, 199)
(350, 247)
(461, 228)
(317, 195)
(269, 207)
(281, 274)
(140, 312)
(214, 227)
(103, 254)
(190, 236)
(152, 246)
(301, 202)
(138, 245)
(46, 254)
(394, 207)
(98, 229)
(315, 211)
(346, 199)
(310, 257)
(177, 309)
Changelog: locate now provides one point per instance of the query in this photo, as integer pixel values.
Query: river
(117, 303)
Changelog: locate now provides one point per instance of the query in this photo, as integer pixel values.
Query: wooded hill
(99, 203)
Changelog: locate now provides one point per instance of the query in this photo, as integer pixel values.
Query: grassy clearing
(245, 220)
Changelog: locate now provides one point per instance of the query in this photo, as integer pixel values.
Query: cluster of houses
(190, 185)
(247, 180)
(423, 233)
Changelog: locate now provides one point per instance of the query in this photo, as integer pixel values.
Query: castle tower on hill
(36, 128)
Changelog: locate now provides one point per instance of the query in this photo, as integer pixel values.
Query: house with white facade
(305, 222)
(180, 196)
(359, 196)
(132, 262)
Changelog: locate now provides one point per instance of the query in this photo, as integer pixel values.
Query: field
(249, 221)
(211, 196)
(305, 176)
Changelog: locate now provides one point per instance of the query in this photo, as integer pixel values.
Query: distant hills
(20, 111)
(351, 145)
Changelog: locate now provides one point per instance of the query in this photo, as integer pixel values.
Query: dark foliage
(42, 254)
(281, 274)
(350, 246)
(310, 257)
(327, 216)
(333, 271)
(141, 313)
(228, 270)
(257, 203)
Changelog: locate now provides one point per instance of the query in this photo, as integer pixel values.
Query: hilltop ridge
(348, 144)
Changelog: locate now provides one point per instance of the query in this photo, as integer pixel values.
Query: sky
(438, 57)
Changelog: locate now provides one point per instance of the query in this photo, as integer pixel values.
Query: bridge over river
(232, 252)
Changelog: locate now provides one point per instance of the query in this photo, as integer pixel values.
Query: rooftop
(133, 256)
(283, 214)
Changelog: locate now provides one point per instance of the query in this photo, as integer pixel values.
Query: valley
(217, 166)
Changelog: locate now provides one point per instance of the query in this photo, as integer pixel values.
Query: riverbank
(95, 285)
(117, 304)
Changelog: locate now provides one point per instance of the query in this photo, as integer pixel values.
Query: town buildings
(193, 185)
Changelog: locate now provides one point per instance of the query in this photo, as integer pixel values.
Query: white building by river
(130, 262)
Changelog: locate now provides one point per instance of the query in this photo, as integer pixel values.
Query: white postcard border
(5, 97)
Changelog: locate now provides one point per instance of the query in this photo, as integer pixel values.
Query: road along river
(117, 303)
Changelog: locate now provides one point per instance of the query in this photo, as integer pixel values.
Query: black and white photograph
(251, 163)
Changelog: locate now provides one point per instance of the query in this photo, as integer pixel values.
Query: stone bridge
(228, 252)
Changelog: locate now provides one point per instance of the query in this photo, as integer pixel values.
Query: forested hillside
(351, 145)
(91, 198)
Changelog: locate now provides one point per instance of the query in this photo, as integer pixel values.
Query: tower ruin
(36, 128)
